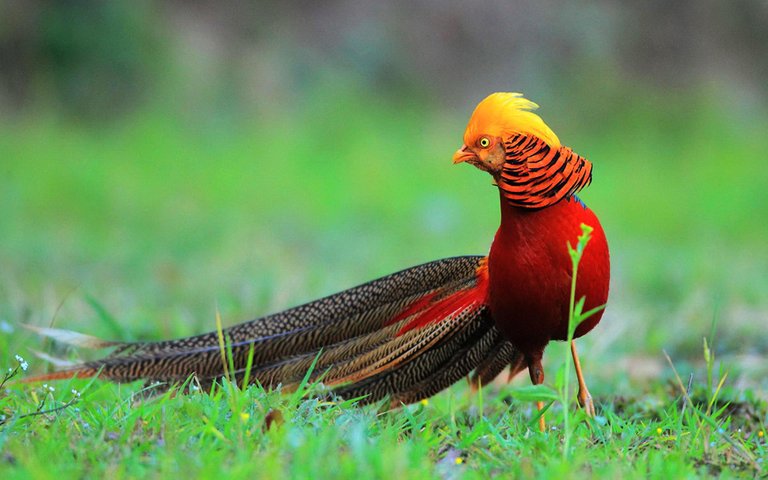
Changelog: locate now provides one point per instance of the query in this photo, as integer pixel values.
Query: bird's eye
(484, 142)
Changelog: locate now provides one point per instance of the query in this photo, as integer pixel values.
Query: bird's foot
(585, 401)
(584, 397)
(542, 422)
(536, 371)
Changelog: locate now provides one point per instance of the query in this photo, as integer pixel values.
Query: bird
(409, 335)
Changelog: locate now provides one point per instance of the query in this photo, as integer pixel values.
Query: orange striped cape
(536, 175)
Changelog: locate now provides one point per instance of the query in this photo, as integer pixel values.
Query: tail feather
(294, 368)
(342, 366)
(459, 366)
(354, 311)
(78, 372)
(406, 348)
(403, 336)
(503, 354)
(74, 339)
(407, 379)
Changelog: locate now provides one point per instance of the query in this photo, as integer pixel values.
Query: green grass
(143, 229)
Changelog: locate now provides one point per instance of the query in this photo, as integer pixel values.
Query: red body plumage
(530, 272)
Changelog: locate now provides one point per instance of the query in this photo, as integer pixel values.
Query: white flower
(22, 363)
(75, 393)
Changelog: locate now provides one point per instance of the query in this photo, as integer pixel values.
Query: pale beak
(463, 154)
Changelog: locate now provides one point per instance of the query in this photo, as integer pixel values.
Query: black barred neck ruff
(536, 175)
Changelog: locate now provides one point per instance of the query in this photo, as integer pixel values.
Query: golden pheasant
(411, 334)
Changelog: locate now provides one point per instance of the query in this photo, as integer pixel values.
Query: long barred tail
(405, 336)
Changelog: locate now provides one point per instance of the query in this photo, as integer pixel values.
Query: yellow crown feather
(504, 114)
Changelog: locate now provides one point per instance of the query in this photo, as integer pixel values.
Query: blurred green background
(160, 160)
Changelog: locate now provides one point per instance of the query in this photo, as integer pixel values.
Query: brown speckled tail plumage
(356, 336)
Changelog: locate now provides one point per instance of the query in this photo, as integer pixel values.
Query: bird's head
(506, 139)
(495, 119)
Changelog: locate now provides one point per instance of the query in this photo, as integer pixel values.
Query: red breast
(530, 272)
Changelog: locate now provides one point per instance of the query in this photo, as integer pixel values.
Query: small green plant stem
(575, 317)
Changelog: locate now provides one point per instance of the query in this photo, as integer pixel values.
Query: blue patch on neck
(578, 200)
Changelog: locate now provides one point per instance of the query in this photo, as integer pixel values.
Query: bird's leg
(584, 397)
(536, 371)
